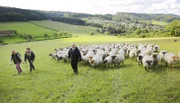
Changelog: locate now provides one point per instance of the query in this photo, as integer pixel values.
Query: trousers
(31, 66)
(74, 66)
(18, 68)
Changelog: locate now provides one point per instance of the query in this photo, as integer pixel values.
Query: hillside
(142, 16)
(74, 29)
(16, 14)
(26, 28)
(54, 82)
(38, 29)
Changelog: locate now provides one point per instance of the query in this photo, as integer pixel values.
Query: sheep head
(175, 58)
(140, 57)
(113, 57)
(154, 55)
(149, 62)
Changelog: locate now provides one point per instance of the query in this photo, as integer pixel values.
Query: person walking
(30, 56)
(75, 56)
(16, 58)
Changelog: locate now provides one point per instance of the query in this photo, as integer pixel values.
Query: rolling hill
(39, 28)
(26, 28)
(74, 29)
(17, 14)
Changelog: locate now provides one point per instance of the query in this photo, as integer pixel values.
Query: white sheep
(170, 59)
(95, 60)
(140, 57)
(107, 61)
(118, 59)
(133, 53)
(53, 55)
(156, 58)
(156, 48)
(179, 54)
(147, 62)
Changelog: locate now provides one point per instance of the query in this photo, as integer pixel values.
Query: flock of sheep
(106, 55)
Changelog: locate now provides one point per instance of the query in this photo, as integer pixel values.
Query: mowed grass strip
(54, 82)
(74, 29)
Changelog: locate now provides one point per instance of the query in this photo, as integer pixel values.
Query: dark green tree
(45, 36)
(55, 35)
(173, 27)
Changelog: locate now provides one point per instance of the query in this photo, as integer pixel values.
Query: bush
(118, 35)
(107, 33)
(45, 36)
(25, 36)
(1, 41)
(91, 33)
(142, 35)
(30, 37)
(20, 35)
(55, 35)
(98, 30)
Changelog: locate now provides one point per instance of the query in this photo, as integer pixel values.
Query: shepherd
(75, 56)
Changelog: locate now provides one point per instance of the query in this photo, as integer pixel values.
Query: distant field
(159, 23)
(74, 29)
(156, 22)
(26, 28)
(54, 82)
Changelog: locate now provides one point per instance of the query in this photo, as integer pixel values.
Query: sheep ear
(113, 57)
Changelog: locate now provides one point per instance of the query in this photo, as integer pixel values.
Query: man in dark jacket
(16, 58)
(75, 56)
(30, 56)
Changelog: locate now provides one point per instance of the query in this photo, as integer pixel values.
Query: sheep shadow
(114, 67)
(164, 68)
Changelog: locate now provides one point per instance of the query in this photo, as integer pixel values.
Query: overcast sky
(99, 6)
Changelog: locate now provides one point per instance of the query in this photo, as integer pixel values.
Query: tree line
(69, 20)
(14, 14)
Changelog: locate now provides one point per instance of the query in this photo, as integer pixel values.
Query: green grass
(37, 29)
(156, 22)
(12, 39)
(74, 29)
(159, 23)
(26, 28)
(54, 82)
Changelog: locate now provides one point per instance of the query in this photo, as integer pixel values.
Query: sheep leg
(118, 65)
(104, 66)
(145, 68)
(166, 64)
(138, 63)
(171, 67)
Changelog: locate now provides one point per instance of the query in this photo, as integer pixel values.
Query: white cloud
(99, 6)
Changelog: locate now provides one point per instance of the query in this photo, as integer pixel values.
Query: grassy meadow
(37, 29)
(54, 82)
(59, 26)
(156, 22)
(25, 28)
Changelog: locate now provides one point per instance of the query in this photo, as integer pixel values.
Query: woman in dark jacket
(30, 56)
(75, 56)
(16, 58)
